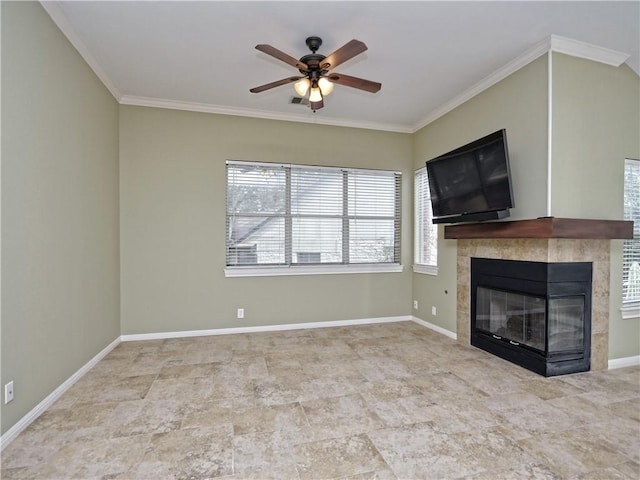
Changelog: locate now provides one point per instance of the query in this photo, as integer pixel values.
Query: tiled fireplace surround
(545, 239)
(542, 250)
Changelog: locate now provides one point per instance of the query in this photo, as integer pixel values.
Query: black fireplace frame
(540, 279)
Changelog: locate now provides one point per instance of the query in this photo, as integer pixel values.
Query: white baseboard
(266, 328)
(435, 328)
(624, 362)
(35, 412)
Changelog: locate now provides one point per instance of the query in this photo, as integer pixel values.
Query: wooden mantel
(544, 227)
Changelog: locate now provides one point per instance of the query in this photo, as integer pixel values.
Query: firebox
(534, 314)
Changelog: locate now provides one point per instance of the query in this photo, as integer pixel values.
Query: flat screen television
(472, 183)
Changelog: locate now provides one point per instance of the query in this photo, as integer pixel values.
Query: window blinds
(294, 214)
(631, 248)
(426, 233)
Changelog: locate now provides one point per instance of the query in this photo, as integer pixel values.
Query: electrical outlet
(8, 392)
(433, 311)
(415, 304)
(241, 313)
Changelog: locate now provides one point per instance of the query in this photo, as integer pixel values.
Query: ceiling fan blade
(280, 55)
(355, 82)
(344, 53)
(267, 86)
(316, 105)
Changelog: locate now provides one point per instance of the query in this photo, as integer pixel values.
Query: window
(631, 249)
(300, 216)
(425, 232)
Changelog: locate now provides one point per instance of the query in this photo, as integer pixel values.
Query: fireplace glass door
(534, 314)
(566, 323)
(515, 317)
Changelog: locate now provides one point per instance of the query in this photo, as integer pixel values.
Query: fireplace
(534, 314)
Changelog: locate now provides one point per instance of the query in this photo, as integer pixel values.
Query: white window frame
(630, 305)
(322, 269)
(425, 260)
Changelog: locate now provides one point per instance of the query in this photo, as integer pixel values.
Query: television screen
(471, 181)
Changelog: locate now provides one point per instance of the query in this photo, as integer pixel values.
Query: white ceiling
(426, 54)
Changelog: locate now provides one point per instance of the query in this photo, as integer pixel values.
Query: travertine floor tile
(337, 458)
(525, 471)
(549, 388)
(441, 385)
(381, 368)
(605, 387)
(483, 376)
(620, 435)
(327, 387)
(583, 410)
(124, 388)
(390, 389)
(458, 416)
(508, 401)
(19, 473)
(138, 417)
(187, 370)
(626, 409)
(419, 451)
(397, 412)
(380, 402)
(190, 453)
(97, 458)
(489, 450)
(573, 453)
(207, 414)
(33, 449)
(264, 455)
(610, 473)
(630, 469)
(340, 416)
(279, 391)
(287, 418)
(538, 418)
(386, 474)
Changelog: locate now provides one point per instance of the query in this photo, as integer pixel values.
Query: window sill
(425, 269)
(630, 310)
(311, 270)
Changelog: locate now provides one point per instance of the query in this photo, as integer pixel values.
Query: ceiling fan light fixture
(302, 86)
(325, 85)
(316, 81)
(315, 95)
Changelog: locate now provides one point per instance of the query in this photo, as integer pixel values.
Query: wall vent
(299, 101)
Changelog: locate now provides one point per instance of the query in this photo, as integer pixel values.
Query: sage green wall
(596, 125)
(60, 274)
(75, 276)
(519, 104)
(172, 174)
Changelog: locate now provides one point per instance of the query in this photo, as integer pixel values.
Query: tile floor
(367, 402)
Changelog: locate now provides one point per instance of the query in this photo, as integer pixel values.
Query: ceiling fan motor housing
(312, 60)
(313, 43)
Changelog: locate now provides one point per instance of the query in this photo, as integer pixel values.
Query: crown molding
(553, 43)
(579, 49)
(52, 7)
(263, 114)
(513, 66)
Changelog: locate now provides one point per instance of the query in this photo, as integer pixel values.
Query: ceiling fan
(316, 78)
